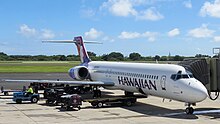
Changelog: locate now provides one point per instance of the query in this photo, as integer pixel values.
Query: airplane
(168, 81)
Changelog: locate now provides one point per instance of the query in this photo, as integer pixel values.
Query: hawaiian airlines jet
(161, 80)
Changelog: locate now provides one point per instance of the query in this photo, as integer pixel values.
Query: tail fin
(84, 57)
(80, 47)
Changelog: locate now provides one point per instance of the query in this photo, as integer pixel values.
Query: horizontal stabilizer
(69, 41)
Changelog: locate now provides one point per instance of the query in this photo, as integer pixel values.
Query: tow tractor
(18, 97)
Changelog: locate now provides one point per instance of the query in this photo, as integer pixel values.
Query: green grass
(44, 66)
(35, 66)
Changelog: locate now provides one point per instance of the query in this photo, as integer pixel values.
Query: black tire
(68, 108)
(99, 105)
(47, 102)
(34, 100)
(94, 104)
(19, 101)
(6, 93)
(128, 103)
(189, 110)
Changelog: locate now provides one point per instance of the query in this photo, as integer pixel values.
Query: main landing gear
(189, 110)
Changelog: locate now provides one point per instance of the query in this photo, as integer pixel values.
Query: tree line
(113, 56)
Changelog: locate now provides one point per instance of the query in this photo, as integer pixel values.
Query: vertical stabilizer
(81, 50)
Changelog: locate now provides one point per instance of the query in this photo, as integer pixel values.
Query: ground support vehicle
(18, 97)
(71, 101)
(53, 95)
(99, 102)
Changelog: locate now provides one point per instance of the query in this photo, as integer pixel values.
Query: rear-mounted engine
(79, 73)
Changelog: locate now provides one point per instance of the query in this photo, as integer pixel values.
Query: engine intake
(79, 73)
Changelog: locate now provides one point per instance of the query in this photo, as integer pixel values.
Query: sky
(148, 27)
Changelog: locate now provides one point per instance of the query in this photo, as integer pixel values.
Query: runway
(146, 110)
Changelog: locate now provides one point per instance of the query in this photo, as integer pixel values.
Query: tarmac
(146, 110)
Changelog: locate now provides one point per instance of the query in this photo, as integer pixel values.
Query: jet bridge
(207, 71)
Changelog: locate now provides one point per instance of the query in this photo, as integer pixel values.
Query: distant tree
(157, 57)
(62, 58)
(134, 56)
(104, 57)
(115, 56)
(163, 58)
(178, 58)
(201, 56)
(91, 54)
(3, 56)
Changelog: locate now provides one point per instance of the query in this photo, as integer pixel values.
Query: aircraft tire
(189, 110)
(128, 103)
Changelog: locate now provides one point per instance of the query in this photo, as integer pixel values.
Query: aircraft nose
(201, 94)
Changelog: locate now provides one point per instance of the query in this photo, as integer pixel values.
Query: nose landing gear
(189, 110)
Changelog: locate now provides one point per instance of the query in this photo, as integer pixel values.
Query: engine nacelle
(79, 73)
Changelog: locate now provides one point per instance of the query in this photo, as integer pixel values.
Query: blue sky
(149, 27)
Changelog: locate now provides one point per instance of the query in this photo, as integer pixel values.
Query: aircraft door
(163, 82)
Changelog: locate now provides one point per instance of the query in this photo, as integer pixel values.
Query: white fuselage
(150, 79)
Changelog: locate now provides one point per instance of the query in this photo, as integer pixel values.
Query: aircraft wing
(74, 82)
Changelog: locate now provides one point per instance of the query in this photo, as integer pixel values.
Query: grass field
(44, 66)
(36, 66)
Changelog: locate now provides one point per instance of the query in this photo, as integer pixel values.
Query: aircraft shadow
(153, 110)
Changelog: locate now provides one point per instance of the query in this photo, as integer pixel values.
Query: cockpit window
(191, 75)
(179, 76)
(185, 76)
(173, 77)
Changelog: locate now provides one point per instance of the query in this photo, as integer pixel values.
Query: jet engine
(79, 73)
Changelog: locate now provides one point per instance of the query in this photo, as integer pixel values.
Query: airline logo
(81, 50)
(137, 82)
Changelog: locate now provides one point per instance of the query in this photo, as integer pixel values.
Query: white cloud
(120, 7)
(174, 32)
(201, 32)
(27, 31)
(149, 14)
(188, 4)
(129, 35)
(47, 34)
(151, 36)
(126, 8)
(216, 38)
(93, 34)
(211, 9)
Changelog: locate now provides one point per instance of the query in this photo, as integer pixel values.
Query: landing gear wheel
(128, 103)
(100, 105)
(189, 110)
